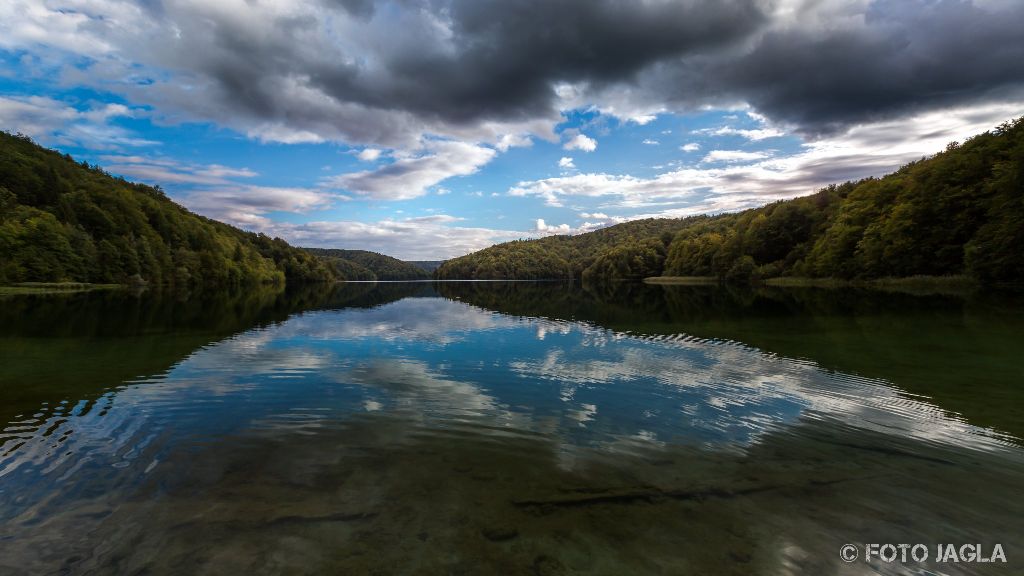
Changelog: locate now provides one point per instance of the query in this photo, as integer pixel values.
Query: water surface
(507, 428)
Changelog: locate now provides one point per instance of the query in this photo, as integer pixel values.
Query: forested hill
(958, 212)
(428, 265)
(365, 265)
(557, 256)
(65, 221)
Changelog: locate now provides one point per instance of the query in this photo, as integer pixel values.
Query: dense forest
(65, 221)
(366, 265)
(960, 212)
(428, 265)
(560, 256)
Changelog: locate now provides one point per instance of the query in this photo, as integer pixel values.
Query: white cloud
(213, 190)
(866, 150)
(158, 175)
(753, 135)
(547, 229)
(163, 171)
(731, 156)
(650, 142)
(51, 121)
(369, 154)
(218, 171)
(632, 190)
(581, 142)
(566, 163)
(434, 218)
(507, 141)
(691, 147)
(419, 238)
(542, 228)
(247, 206)
(27, 23)
(410, 176)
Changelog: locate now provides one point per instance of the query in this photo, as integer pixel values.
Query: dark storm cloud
(509, 54)
(909, 55)
(387, 72)
(363, 8)
(499, 64)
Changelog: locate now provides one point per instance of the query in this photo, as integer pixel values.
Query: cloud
(214, 191)
(51, 121)
(754, 135)
(863, 151)
(631, 189)
(369, 154)
(547, 229)
(495, 71)
(433, 218)
(581, 142)
(418, 238)
(218, 171)
(247, 206)
(411, 176)
(731, 156)
(651, 142)
(566, 163)
(507, 141)
(315, 70)
(823, 67)
(164, 171)
(691, 147)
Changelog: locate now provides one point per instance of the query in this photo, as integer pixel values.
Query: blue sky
(316, 122)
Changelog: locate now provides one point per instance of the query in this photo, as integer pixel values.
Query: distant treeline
(365, 265)
(428, 265)
(65, 221)
(960, 212)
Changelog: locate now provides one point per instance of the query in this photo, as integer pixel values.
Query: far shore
(682, 280)
(54, 288)
(914, 284)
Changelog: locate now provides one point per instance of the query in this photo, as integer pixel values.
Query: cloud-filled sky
(430, 128)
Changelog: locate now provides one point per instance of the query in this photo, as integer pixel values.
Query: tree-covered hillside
(559, 256)
(958, 212)
(366, 265)
(65, 221)
(427, 265)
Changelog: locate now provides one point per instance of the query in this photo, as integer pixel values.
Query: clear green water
(480, 428)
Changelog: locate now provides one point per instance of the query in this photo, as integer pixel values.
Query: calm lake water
(483, 428)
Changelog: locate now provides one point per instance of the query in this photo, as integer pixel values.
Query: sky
(426, 129)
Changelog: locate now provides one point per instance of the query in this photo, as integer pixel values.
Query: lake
(509, 428)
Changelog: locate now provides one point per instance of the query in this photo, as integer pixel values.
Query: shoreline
(911, 284)
(23, 288)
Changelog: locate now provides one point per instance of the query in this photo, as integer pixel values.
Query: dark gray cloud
(386, 72)
(908, 56)
(459, 63)
(507, 55)
(362, 8)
